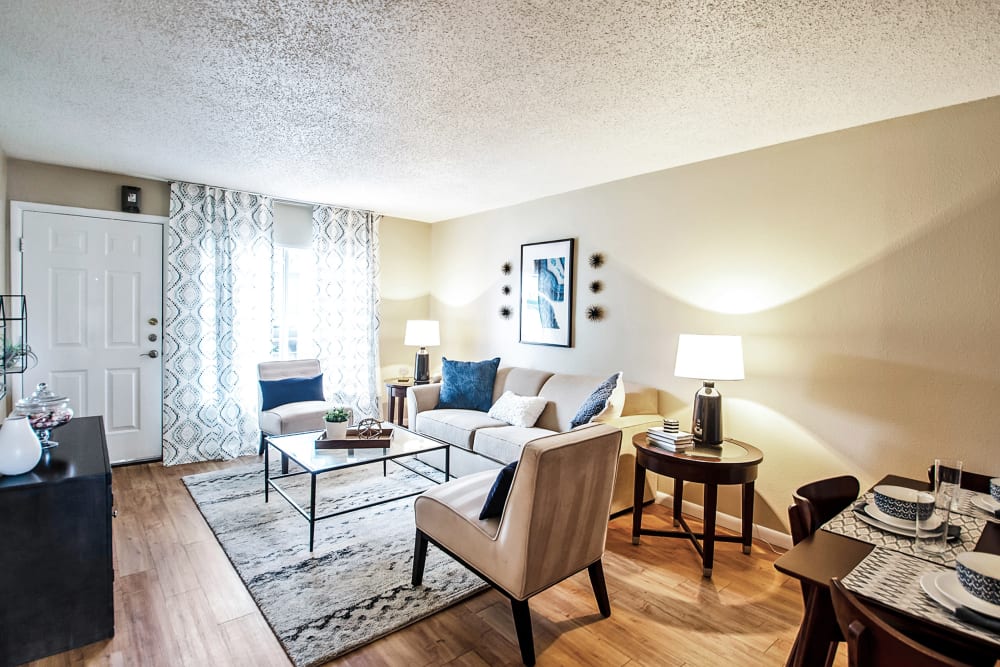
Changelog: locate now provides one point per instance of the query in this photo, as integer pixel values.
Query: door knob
(152, 354)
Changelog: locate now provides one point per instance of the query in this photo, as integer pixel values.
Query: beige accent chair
(290, 417)
(554, 524)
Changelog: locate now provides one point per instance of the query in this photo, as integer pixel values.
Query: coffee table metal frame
(308, 467)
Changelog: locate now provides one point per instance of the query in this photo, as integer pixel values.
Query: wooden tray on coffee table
(354, 441)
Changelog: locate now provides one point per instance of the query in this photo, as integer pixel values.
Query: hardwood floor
(178, 601)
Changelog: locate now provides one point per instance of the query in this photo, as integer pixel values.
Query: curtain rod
(283, 200)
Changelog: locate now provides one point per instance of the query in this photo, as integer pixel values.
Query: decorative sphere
(369, 429)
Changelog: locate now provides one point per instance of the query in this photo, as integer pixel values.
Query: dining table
(885, 571)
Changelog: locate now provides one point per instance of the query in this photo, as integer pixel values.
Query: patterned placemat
(893, 579)
(847, 523)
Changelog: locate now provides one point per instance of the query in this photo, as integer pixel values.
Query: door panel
(92, 284)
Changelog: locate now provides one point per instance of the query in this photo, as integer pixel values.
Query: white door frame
(17, 211)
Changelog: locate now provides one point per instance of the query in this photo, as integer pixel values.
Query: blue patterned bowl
(995, 488)
(979, 573)
(901, 502)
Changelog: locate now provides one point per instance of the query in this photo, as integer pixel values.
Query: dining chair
(972, 481)
(825, 498)
(553, 525)
(872, 642)
(815, 504)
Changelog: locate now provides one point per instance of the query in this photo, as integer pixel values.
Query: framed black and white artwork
(547, 293)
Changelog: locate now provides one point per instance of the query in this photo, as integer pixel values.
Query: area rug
(355, 586)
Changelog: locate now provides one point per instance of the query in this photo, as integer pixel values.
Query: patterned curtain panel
(346, 327)
(217, 321)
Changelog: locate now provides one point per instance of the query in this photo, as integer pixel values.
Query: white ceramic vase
(20, 450)
(336, 430)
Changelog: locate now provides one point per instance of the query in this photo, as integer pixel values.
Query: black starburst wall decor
(596, 286)
(505, 290)
(506, 268)
(595, 313)
(506, 312)
(597, 260)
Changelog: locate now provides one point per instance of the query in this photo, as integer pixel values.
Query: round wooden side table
(397, 399)
(734, 462)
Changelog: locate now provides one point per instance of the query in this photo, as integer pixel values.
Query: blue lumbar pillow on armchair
(290, 390)
(468, 385)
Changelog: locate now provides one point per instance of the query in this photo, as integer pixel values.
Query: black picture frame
(548, 277)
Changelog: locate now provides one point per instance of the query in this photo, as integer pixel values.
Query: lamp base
(421, 367)
(706, 419)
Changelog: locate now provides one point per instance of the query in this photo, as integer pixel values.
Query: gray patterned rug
(355, 586)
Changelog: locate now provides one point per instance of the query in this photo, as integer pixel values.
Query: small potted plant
(336, 423)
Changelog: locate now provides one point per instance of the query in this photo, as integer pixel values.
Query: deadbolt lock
(152, 338)
(153, 321)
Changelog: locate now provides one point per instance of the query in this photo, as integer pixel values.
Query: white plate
(872, 521)
(875, 513)
(985, 503)
(928, 582)
(948, 583)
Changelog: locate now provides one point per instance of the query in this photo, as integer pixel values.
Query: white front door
(93, 287)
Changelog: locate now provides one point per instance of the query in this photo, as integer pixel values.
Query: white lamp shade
(709, 357)
(422, 333)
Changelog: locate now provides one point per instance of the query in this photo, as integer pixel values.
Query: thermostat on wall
(130, 198)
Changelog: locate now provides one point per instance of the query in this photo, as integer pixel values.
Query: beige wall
(4, 231)
(68, 186)
(405, 290)
(860, 267)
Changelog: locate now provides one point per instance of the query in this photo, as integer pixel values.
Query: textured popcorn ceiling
(431, 110)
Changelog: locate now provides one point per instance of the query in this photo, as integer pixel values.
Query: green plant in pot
(336, 423)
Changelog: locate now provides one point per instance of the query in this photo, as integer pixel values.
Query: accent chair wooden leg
(596, 572)
(263, 444)
(522, 624)
(419, 557)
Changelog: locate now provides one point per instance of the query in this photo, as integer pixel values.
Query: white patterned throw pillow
(518, 410)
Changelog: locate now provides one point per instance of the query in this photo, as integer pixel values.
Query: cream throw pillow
(518, 410)
(616, 403)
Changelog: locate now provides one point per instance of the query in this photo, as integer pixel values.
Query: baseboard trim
(773, 537)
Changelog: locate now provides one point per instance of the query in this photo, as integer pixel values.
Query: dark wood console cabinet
(56, 573)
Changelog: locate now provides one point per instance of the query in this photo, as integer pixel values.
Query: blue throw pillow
(595, 402)
(497, 496)
(290, 390)
(468, 385)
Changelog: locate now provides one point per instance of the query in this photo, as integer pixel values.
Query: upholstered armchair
(291, 397)
(554, 523)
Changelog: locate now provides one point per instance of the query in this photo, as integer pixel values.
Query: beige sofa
(481, 442)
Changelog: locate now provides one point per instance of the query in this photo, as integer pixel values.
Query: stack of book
(670, 437)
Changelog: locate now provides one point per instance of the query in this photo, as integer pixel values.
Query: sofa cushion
(294, 418)
(504, 443)
(521, 381)
(290, 390)
(596, 402)
(518, 410)
(456, 427)
(467, 385)
(497, 497)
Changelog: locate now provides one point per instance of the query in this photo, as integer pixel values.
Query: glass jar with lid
(44, 411)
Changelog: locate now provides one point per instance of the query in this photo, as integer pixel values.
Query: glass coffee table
(301, 449)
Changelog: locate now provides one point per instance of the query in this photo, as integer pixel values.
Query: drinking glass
(932, 532)
(947, 479)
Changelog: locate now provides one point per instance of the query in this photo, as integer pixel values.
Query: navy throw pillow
(595, 402)
(468, 385)
(497, 496)
(290, 390)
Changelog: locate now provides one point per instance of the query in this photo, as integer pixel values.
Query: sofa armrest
(419, 398)
(630, 425)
